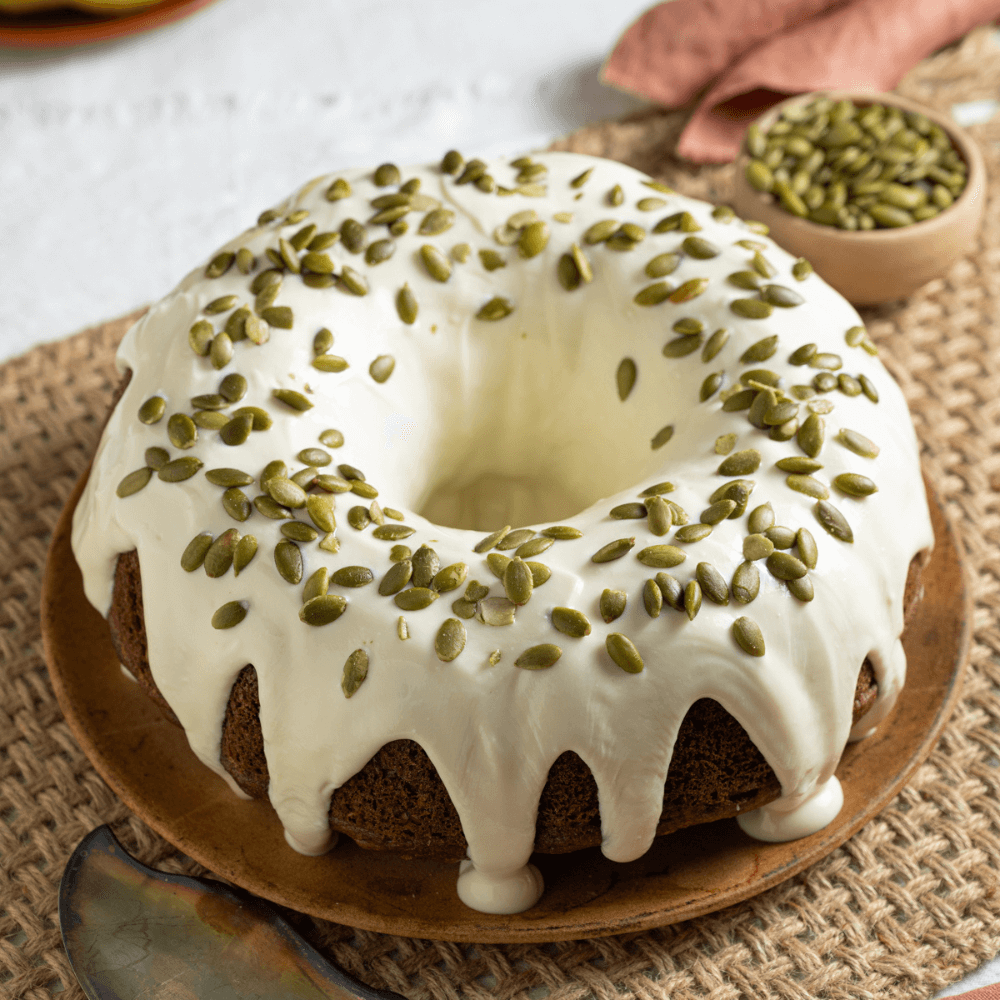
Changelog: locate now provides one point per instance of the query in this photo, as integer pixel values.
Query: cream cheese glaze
(516, 421)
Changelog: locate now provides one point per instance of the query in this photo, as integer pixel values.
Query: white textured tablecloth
(122, 164)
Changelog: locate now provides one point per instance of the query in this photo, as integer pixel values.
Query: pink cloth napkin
(758, 52)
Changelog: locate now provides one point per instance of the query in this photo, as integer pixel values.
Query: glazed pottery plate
(146, 760)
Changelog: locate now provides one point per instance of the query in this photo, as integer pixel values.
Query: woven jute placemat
(907, 906)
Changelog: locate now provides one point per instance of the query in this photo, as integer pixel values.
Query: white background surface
(124, 163)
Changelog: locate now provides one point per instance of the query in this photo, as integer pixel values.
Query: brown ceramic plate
(146, 760)
(60, 28)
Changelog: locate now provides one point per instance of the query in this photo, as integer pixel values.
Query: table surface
(124, 162)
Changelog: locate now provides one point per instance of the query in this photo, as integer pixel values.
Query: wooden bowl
(876, 265)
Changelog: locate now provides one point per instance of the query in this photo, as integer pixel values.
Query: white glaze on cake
(526, 408)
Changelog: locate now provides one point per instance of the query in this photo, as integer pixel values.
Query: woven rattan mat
(907, 906)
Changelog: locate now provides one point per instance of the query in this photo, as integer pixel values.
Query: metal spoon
(132, 932)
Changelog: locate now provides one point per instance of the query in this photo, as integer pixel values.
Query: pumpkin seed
(452, 162)
(868, 387)
(495, 309)
(355, 669)
(810, 435)
(151, 411)
(156, 458)
(751, 308)
(659, 556)
(662, 265)
(650, 204)
(689, 290)
(286, 492)
(495, 611)
(801, 269)
(293, 399)
(406, 305)
(824, 382)
(437, 264)
(237, 430)
(748, 636)
(351, 281)
(540, 573)
(808, 552)
(616, 196)
(256, 331)
(652, 599)
(803, 355)
(716, 513)
(699, 248)
(134, 482)
(517, 581)
(785, 566)
(181, 431)
(724, 444)
(740, 463)
(748, 280)
(714, 344)
(415, 599)
(746, 583)
(475, 591)
(781, 537)
(713, 583)
(352, 576)
(219, 264)
(778, 295)
(306, 478)
(833, 521)
(659, 516)
(692, 599)
(179, 469)
(662, 436)
(450, 640)
(219, 556)
(622, 651)
(562, 532)
(827, 360)
(566, 271)
(450, 578)
(425, 566)
(534, 239)
(653, 295)
(763, 266)
(322, 610)
(854, 484)
(757, 546)
(515, 538)
(723, 213)
(677, 513)
(332, 438)
(761, 350)
(487, 543)
(194, 554)
(220, 305)
(626, 511)
(230, 614)
(625, 377)
(317, 585)
(696, 532)
(613, 550)
(275, 468)
(288, 560)
(497, 563)
(612, 604)
(303, 236)
(392, 532)
(599, 232)
(808, 485)
(855, 442)
(680, 347)
(802, 589)
(797, 463)
(289, 256)
(682, 221)
(464, 608)
(533, 547)
(266, 506)
(200, 337)
(397, 578)
(338, 189)
(538, 657)
(236, 503)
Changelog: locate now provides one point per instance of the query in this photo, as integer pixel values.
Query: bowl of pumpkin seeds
(879, 194)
